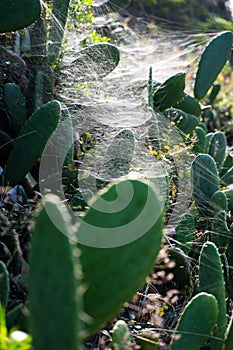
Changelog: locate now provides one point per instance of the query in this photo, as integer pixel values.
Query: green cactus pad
(54, 279)
(196, 323)
(190, 106)
(217, 147)
(59, 13)
(185, 122)
(211, 63)
(185, 230)
(205, 181)
(200, 142)
(227, 178)
(218, 202)
(170, 92)
(16, 108)
(128, 233)
(211, 280)
(31, 142)
(97, 61)
(118, 158)
(219, 231)
(16, 15)
(227, 164)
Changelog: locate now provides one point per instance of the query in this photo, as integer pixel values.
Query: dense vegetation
(73, 264)
(193, 14)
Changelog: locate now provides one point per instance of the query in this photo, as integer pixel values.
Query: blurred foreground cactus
(109, 276)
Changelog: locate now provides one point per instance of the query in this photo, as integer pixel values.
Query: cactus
(190, 106)
(227, 164)
(211, 280)
(219, 231)
(218, 202)
(200, 143)
(217, 148)
(170, 92)
(54, 281)
(185, 122)
(96, 61)
(16, 15)
(185, 230)
(229, 195)
(214, 92)
(230, 261)
(227, 178)
(211, 63)
(4, 285)
(33, 138)
(150, 89)
(204, 180)
(15, 104)
(44, 86)
(59, 15)
(196, 323)
(209, 137)
(121, 337)
(118, 158)
(117, 238)
(229, 336)
(12, 66)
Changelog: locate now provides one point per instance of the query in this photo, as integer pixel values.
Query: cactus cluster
(105, 257)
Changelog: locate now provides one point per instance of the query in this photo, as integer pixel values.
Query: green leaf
(212, 62)
(170, 92)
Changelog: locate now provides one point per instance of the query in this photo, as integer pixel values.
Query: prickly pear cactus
(185, 231)
(200, 142)
(190, 106)
(211, 63)
(170, 92)
(217, 148)
(219, 231)
(59, 15)
(4, 285)
(211, 280)
(97, 61)
(196, 324)
(16, 107)
(205, 181)
(118, 158)
(54, 281)
(123, 226)
(33, 137)
(16, 15)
